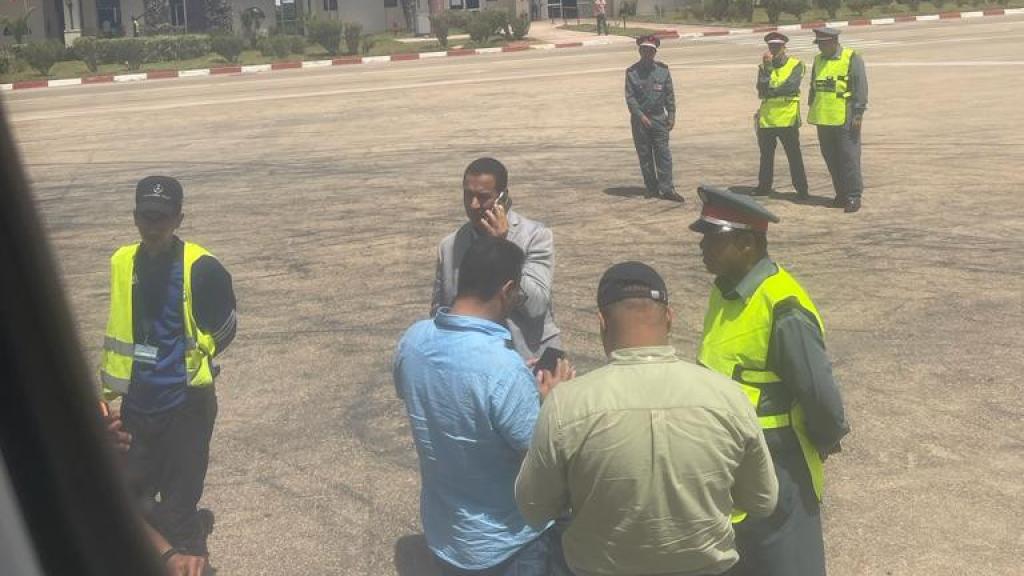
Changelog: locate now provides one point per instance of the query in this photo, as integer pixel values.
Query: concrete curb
(664, 34)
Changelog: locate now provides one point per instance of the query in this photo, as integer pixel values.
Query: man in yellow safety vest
(763, 330)
(778, 118)
(838, 100)
(172, 311)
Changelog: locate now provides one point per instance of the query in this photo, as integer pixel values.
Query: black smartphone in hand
(548, 360)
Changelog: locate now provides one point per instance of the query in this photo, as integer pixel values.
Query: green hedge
(138, 51)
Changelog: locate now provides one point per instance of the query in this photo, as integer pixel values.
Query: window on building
(391, 3)
(330, 5)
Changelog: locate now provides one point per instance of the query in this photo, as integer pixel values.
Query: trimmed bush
(180, 47)
(742, 10)
(354, 37)
(88, 50)
(296, 43)
(521, 26)
(227, 46)
(860, 7)
(774, 9)
(716, 9)
(43, 55)
(369, 41)
(481, 26)
(128, 51)
(326, 33)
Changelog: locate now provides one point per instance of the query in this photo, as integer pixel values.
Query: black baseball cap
(630, 280)
(160, 194)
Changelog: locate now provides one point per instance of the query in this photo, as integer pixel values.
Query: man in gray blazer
(488, 207)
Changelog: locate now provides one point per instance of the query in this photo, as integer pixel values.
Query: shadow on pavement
(412, 558)
(791, 197)
(626, 191)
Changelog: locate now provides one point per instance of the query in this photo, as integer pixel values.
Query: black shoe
(839, 202)
(651, 193)
(852, 205)
(206, 520)
(673, 197)
(762, 192)
(802, 194)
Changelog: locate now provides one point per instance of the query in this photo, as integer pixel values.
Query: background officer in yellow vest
(838, 100)
(763, 330)
(778, 86)
(172, 311)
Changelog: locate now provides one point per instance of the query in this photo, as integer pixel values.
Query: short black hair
(491, 167)
(488, 265)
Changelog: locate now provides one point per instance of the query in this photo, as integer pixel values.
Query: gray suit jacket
(533, 324)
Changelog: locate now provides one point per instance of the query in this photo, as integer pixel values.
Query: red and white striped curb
(666, 34)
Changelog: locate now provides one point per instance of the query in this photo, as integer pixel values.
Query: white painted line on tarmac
(1013, 11)
(959, 63)
(196, 72)
(432, 55)
(6, 87)
(928, 18)
(130, 77)
(64, 82)
(882, 21)
(317, 63)
(256, 68)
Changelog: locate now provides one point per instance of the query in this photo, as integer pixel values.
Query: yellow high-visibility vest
(831, 89)
(119, 341)
(735, 343)
(781, 111)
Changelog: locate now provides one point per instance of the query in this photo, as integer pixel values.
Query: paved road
(326, 191)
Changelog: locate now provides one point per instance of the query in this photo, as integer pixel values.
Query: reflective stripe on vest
(781, 111)
(119, 341)
(831, 89)
(735, 343)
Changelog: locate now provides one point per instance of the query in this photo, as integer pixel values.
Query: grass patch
(613, 30)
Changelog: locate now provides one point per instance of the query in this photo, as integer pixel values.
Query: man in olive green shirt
(661, 450)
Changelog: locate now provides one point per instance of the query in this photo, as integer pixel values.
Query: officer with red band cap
(763, 331)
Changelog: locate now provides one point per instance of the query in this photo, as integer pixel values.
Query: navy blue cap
(160, 194)
(630, 280)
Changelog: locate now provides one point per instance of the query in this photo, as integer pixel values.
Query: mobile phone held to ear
(548, 360)
(504, 200)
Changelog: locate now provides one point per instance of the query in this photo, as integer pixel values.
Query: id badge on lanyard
(146, 354)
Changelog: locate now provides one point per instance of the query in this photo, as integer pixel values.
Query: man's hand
(546, 381)
(766, 59)
(645, 121)
(671, 124)
(495, 222)
(185, 565)
(115, 428)
(855, 124)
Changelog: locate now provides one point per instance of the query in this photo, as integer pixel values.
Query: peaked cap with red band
(726, 210)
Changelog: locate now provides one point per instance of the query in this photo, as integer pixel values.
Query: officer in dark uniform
(652, 110)
(763, 330)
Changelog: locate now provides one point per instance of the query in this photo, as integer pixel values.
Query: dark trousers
(790, 541)
(766, 141)
(169, 455)
(542, 557)
(602, 24)
(654, 154)
(840, 147)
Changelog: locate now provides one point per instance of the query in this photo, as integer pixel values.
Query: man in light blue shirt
(472, 404)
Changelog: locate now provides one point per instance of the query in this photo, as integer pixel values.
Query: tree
(409, 12)
(43, 55)
(796, 7)
(628, 8)
(252, 18)
(18, 27)
(830, 6)
(439, 25)
(219, 15)
(326, 33)
(155, 13)
(774, 9)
